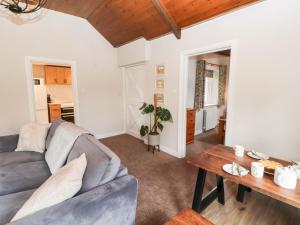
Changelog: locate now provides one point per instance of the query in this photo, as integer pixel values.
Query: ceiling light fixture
(24, 6)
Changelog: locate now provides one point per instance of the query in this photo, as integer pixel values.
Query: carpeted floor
(166, 185)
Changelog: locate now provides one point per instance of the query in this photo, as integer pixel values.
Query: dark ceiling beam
(163, 11)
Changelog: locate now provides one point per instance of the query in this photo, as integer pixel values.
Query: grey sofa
(108, 195)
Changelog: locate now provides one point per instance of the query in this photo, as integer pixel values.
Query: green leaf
(143, 106)
(144, 130)
(148, 109)
(165, 115)
(160, 126)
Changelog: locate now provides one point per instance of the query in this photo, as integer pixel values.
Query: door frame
(183, 80)
(29, 61)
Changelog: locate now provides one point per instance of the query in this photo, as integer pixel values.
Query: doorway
(53, 90)
(134, 96)
(208, 112)
(206, 100)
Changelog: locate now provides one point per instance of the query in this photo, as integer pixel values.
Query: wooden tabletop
(213, 159)
(188, 217)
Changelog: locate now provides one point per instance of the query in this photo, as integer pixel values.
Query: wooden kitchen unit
(190, 125)
(54, 111)
(58, 75)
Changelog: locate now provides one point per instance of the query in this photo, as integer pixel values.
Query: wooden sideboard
(190, 125)
(222, 129)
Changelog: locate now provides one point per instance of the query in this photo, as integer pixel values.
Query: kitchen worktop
(63, 104)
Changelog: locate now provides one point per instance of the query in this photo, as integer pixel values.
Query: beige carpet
(166, 185)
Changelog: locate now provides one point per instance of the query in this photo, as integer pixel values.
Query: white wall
(61, 36)
(133, 53)
(265, 105)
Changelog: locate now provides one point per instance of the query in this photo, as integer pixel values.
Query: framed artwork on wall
(160, 70)
(159, 98)
(159, 84)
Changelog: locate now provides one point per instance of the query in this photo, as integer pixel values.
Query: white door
(135, 96)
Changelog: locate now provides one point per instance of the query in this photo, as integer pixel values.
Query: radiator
(210, 118)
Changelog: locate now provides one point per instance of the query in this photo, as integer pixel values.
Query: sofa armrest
(113, 203)
(8, 143)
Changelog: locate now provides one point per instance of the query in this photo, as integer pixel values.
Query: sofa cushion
(8, 143)
(24, 176)
(61, 145)
(10, 204)
(32, 137)
(61, 186)
(97, 161)
(7, 158)
(52, 130)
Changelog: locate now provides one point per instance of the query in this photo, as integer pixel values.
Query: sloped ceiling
(122, 21)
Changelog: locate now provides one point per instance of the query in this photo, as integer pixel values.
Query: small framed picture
(160, 69)
(159, 84)
(160, 98)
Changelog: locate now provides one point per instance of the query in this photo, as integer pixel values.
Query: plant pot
(153, 139)
(145, 138)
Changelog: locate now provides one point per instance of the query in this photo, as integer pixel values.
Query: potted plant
(159, 116)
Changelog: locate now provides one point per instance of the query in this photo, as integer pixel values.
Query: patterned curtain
(200, 85)
(209, 73)
(222, 84)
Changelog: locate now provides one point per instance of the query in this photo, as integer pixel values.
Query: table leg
(241, 192)
(200, 203)
(220, 189)
(199, 190)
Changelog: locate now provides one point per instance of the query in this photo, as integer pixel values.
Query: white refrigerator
(41, 105)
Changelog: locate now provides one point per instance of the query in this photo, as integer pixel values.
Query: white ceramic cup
(257, 169)
(239, 150)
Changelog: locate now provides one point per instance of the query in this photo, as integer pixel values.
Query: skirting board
(197, 132)
(163, 148)
(100, 136)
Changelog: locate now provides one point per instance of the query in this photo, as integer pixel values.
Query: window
(211, 90)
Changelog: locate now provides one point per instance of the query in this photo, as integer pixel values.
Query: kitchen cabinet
(58, 75)
(54, 112)
(68, 75)
(50, 75)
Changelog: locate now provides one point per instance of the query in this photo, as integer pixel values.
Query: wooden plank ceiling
(122, 21)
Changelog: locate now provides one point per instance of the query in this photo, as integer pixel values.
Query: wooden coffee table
(213, 159)
(188, 217)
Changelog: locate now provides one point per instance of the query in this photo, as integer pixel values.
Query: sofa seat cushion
(10, 204)
(22, 177)
(7, 158)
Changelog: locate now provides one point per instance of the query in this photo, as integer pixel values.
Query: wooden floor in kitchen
(166, 186)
